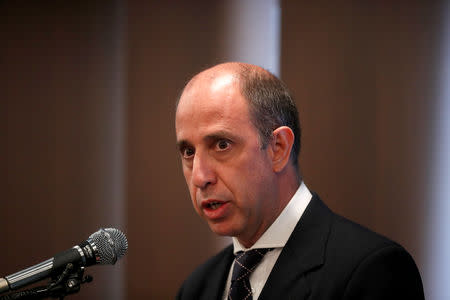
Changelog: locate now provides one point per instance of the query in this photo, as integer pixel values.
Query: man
(238, 134)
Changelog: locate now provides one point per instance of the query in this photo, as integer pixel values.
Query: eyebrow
(221, 135)
(211, 137)
(182, 144)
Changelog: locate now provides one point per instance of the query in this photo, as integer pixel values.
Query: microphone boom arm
(68, 282)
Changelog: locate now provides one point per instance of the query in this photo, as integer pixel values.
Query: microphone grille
(111, 245)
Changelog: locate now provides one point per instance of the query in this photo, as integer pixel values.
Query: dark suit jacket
(326, 257)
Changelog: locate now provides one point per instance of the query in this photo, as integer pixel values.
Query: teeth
(214, 205)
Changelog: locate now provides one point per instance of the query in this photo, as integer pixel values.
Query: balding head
(231, 69)
(270, 102)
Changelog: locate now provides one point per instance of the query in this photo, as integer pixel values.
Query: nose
(202, 171)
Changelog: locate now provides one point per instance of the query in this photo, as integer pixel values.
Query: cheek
(192, 190)
(255, 182)
(187, 176)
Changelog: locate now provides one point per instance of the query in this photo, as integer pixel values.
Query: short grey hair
(271, 105)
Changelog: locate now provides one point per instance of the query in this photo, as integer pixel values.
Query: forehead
(210, 104)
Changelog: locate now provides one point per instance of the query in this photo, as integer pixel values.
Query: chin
(222, 230)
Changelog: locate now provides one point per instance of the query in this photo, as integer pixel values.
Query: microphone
(103, 247)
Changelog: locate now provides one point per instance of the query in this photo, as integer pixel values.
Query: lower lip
(217, 213)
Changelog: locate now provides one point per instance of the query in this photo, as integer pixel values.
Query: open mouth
(215, 209)
(214, 205)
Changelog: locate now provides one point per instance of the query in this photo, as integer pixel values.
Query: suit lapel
(304, 251)
(218, 277)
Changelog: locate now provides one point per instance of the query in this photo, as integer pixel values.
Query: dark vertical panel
(60, 140)
(363, 75)
(326, 63)
(168, 43)
(406, 66)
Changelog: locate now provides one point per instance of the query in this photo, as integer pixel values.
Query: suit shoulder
(212, 272)
(353, 242)
(343, 234)
(353, 233)
(389, 272)
(363, 262)
(212, 263)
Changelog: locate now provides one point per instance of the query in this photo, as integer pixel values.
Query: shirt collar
(279, 232)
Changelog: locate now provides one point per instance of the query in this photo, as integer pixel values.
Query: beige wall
(88, 93)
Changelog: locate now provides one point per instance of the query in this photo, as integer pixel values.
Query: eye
(223, 145)
(187, 152)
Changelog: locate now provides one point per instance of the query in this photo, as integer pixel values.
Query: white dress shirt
(275, 237)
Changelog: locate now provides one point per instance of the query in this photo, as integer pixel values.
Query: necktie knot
(244, 264)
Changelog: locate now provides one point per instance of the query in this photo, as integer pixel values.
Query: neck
(288, 183)
(286, 186)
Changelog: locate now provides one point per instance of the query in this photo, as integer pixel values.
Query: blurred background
(87, 91)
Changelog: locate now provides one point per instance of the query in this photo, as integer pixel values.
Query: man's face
(229, 175)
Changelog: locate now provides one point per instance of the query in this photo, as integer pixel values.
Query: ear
(281, 146)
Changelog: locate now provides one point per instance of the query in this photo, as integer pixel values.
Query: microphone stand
(68, 282)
